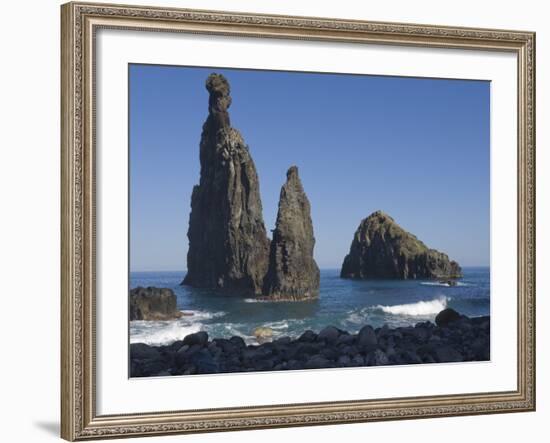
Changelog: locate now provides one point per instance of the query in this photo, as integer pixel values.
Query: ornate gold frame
(79, 21)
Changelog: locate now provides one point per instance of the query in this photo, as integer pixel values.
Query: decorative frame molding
(79, 21)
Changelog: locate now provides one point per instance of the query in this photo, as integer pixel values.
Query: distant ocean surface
(346, 304)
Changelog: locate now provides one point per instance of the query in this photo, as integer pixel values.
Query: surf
(418, 309)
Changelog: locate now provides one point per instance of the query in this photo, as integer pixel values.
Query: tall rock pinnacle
(293, 273)
(228, 244)
(382, 249)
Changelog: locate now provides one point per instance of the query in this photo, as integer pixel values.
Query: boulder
(382, 249)
(141, 351)
(198, 338)
(329, 334)
(447, 316)
(204, 362)
(317, 362)
(409, 357)
(228, 244)
(237, 341)
(377, 358)
(263, 334)
(282, 341)
(264, 365)
(447, 354)
(145, 361)
(153, 304)
(293, 273)
(346, 339)
(307, 336)
(329, 352)
(343, 361)
(367, 338)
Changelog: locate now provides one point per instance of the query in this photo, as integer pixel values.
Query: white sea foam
(157, 333)
(202, 315)
(277, 325)
(161, 333)
(260, 300)
(443, 284)
(418, 309)
(357, 317)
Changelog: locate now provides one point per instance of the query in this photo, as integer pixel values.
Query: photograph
(283, 221)
(293, 217)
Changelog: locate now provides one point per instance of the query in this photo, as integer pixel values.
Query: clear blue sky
(416, 148)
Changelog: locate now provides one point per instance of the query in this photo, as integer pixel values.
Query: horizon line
(321, 269)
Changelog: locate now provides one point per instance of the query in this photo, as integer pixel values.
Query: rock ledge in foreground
(461, 340)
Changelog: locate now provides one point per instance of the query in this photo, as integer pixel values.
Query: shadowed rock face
(293, 273)
(382, 249)
(153, 304)
(228, 244)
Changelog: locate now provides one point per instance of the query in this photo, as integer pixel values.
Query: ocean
(346, 304)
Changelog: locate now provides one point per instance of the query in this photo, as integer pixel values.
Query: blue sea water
(346, 304)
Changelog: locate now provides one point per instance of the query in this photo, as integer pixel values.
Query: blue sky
(415, 148)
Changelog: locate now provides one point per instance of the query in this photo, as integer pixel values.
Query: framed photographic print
(282, 221)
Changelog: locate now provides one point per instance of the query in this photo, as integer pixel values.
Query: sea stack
(293, 273)
(382, 249)
(228, 244)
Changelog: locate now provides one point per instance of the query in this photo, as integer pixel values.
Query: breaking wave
(256, 300)
(443, 284)
(157, 333)
(161, 334)
(418, 309)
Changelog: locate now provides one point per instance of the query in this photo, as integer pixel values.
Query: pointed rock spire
(228, 244)
(293, 273)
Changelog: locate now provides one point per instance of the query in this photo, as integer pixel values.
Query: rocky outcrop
(464, 339)
(153, 304)
(382, 249)
(228, 244)
(293, 273)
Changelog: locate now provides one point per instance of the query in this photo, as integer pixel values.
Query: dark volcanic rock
(153, 304)
(446, 316)
(329, 334)
(228, 244)
(293, 273)
(367, 338)
(198, 338)
(466, 339)
(377, 358)
(447, 354)
(382, 249)
(308, 336)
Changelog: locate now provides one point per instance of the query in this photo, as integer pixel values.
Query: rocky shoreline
(453, 338)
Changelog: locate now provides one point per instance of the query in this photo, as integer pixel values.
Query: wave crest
(162, 334)
(443, 284)
(418, 309)
(166, 332)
